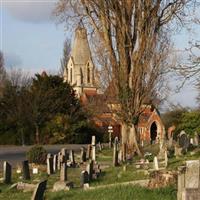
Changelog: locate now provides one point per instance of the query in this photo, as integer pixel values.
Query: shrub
(37, 154)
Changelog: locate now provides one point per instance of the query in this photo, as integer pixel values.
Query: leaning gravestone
(7, 172)
(25, 170)
(183, 140)
(39, 191)
(84, 179)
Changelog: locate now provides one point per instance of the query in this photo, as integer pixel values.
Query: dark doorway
(153, 132)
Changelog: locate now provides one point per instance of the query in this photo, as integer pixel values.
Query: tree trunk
(37, 139)
(129, 137)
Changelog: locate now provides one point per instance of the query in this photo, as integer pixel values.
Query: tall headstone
(84, 178)
(115, 152)
(38, 193)
(83, 155)
(89, 169)
(63, 172)
(65, 153)
(71, 157)
(26, 170)
(124, 152)
(50, 165)
(55, 163)
(89, 148)
(7, 172)
(59, 160)
(93, 148)
(196, 139)
(155, 162)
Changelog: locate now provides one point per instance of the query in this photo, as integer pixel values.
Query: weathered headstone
(89, 147)
(166, 159)
(183, 140)
(124, 152)
(49, 155)
(89, 169)
(189, 181)
(93, 148)
(115, 152)
(26, 171)
(59, 160)
(7, 172)
(192, 174)
(196, 139)
(65, 153)
(71, 157)
(100, 146)
(55, 163)
(83, 155)
(84, 178)
(155, 162)
(63, 172)
(39, 191)
(50, 165)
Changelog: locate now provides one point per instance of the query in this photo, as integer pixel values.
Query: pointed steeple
(80, 50)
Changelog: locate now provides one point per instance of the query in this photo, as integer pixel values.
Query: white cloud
(31, 11)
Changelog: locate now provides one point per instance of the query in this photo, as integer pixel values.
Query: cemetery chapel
(80, 73)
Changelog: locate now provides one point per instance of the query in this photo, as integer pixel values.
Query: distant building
(80, 73)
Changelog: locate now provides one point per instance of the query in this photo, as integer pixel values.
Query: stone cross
(115, 152)
(25, 170)
(50, 165)
(84, 178)
(39, 191)
(155, 161)
(7, 172)
(63, 172)
(89, 169)
(55, 163)
(83, 155)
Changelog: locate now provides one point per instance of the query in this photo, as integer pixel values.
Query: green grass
(118, 192)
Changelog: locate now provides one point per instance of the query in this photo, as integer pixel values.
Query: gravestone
(49, 155)
(178, 151)
(65, 153)
(83, 155)
(25, 170)
(7, 172)
(166, 159)
(71, 157)
(155, 162)
(84, 179)
(39, 191)
(89, 148)
(196, 139)
(55, 163)
(192, 174)
(100, 146)
(50, 165)
(189, 181)
(59, 160)
(93, 148)
(89, 168)
(124, 152)
(183, 140)
(115, 152)
(63, 172)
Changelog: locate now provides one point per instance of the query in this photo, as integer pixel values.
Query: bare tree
(134, 35)
(2, 72)
(66, 55)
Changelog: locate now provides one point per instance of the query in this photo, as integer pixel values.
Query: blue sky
(31, 40)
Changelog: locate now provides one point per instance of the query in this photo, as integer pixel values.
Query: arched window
(71, 75)
(88, 74)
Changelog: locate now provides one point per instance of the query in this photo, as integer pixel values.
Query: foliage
(190, 122)
(37, 154)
